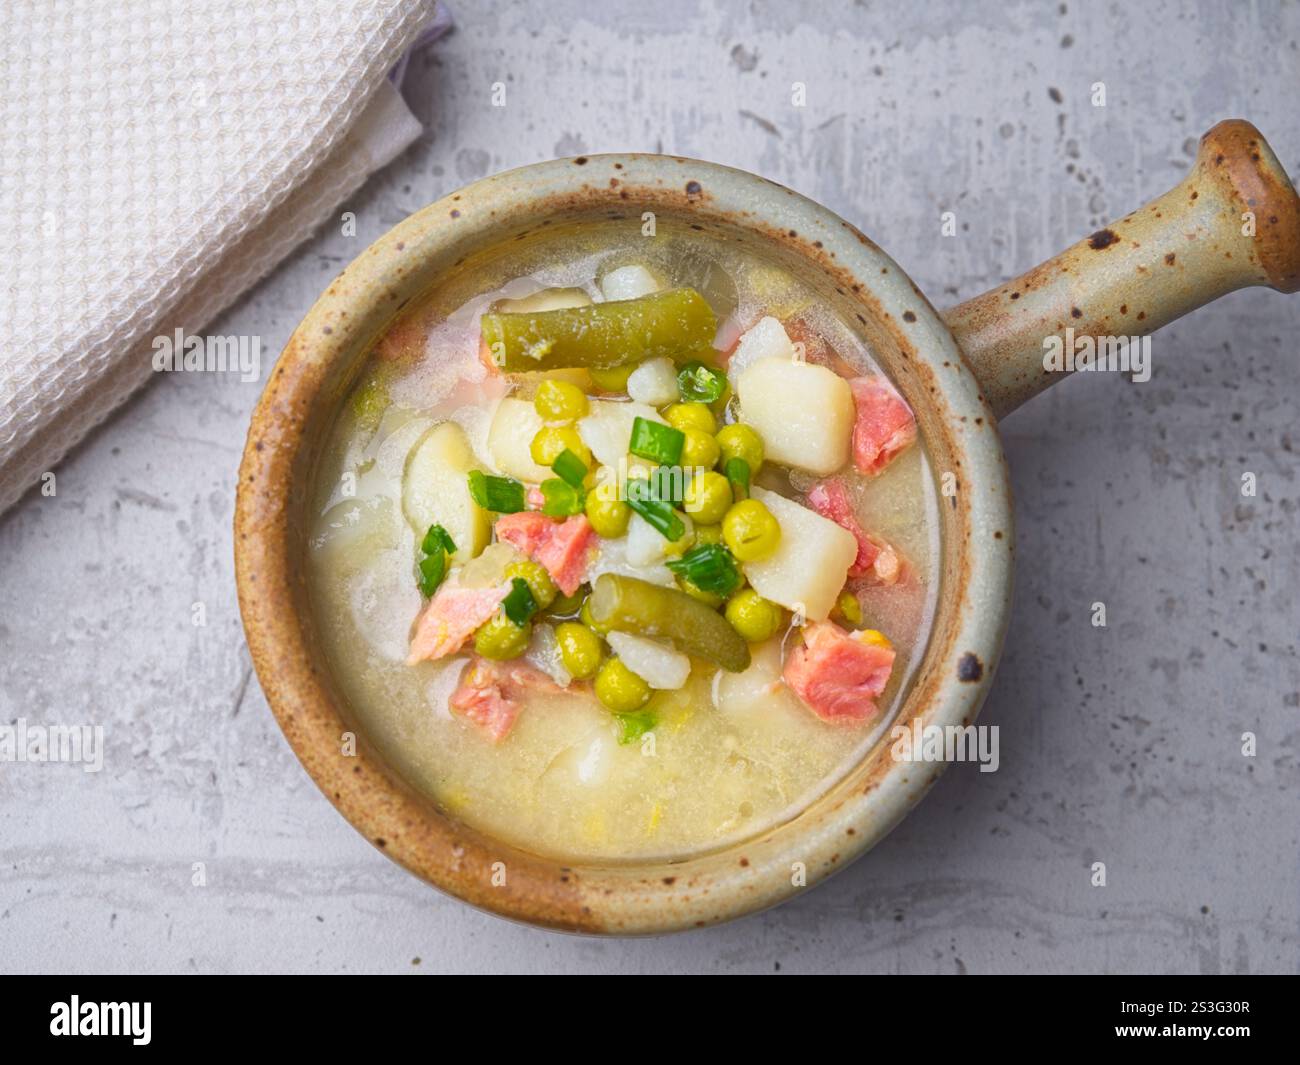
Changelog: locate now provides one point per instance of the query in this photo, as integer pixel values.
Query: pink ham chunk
(491, 693)
(451, 618)
(838, 675)
(876, 559)
(883, 426)
(563, 547)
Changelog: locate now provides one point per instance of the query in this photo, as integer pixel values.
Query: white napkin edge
(382, 131)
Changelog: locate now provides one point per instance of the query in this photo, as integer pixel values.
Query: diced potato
(647, 546)
(803, 412)
(657, 664)
(510, 438)
(629, 283)
(654, 382)
(808, 569)
(752, 691)
(607, 428)
(355, 530)
(548, 299)
(435, 490)
(766, 339)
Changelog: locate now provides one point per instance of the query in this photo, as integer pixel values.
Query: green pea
(754, 618)
(500, 638)
(848, 607)
(580, 649)
(750, 531)
(621, 690)
(560, 401)
(707, 497)
(553, 439)
(685, 416)
(739, 441)
(607, 513)
(538, 579)
(699, 449)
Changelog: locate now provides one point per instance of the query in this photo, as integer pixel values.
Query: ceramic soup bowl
(1233, 221)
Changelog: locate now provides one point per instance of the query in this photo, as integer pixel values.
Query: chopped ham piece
(563, 547)
(875, 558)
(489, 694)
(535, 498)
(524, 531)
(451, 618)
(837, 674)
(883, 427)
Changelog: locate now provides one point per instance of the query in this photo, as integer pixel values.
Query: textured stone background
(1120, 744)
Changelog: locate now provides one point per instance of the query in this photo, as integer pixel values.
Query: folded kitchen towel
(156, 159)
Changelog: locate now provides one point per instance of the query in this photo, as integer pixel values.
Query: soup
(623, 547)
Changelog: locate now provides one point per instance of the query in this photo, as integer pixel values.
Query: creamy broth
(727, 755)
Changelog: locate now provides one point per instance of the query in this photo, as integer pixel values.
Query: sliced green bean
(676, 323)
(627, 604)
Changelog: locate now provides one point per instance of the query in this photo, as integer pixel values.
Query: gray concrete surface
(1120, 745)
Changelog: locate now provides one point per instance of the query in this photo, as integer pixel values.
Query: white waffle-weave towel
(157, 158)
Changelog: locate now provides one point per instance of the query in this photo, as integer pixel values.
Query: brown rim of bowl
(319, 363)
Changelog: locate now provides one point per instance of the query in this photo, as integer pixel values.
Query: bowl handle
(1233, 221)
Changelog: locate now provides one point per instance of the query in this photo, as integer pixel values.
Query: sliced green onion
(658, 513)
(737, 470)
(571, 468)
(710, 567)
(438, 539)
(698, 383)
(635, 725)
(433, 568)
(656, 442)
(561, 499)
(519, 603)
(503, 495)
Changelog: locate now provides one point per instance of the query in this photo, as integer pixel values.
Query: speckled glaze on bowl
(908, 336)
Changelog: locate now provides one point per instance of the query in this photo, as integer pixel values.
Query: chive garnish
(710, 567)
(570, 468)
(635, 725)
(698, 383)
(437, 546)
(438, 537)
(519, 604)
(433, 568)
(737, 470)
(656, 442)
(503, 495)
(658, 513)
(561, 499)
